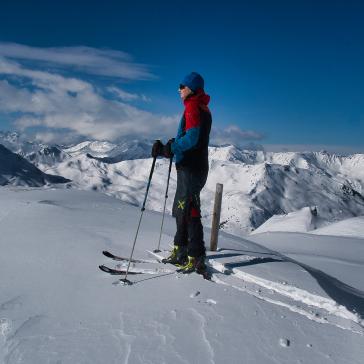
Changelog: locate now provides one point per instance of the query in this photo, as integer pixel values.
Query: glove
(167, 149)
(157, 149)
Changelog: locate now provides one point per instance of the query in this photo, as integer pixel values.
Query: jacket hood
(199, 97)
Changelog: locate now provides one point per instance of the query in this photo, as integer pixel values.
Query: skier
(190, 148)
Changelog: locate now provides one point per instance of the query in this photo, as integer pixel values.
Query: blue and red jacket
(191, 143)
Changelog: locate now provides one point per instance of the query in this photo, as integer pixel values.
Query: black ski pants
(187, 210)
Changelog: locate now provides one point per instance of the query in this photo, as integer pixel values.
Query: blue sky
(282, 74)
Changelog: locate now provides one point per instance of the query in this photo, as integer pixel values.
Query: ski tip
(106, 253)
(157, 251)
(107, 269)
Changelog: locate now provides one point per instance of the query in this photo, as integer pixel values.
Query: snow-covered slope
(263, 305)
(306, 220)
(302, 220)
(349, 227)
(15, 170)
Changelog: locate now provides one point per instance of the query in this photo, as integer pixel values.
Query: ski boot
(177, 257)
(195, 264)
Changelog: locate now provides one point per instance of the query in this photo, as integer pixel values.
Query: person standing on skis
(190, 148)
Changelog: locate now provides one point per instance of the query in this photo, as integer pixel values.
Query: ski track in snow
(167, 342)
(125, 338)
(172, 338)
(300, 295)
(330, 308)
(262, 288)
(201, 318)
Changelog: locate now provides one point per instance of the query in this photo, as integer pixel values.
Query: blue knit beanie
(193, 81)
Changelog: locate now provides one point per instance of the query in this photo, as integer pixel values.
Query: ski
(122, 271)
(157, 255)
(112, 271)
(121, 258)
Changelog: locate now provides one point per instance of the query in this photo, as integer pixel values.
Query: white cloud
(50, 100)
(94, 61)
(49, 137)
(127, 96)
(233, 134)
(42, 79)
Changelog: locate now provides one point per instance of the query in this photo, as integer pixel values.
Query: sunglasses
(181, 87)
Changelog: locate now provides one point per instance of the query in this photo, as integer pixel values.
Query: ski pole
(164, 208)
(125, 280)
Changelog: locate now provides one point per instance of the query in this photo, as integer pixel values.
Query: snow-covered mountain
(37, 153)
(16, 170)
(257, 184)
(113, 153)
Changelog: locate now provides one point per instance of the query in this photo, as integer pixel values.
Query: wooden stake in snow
(216, 217)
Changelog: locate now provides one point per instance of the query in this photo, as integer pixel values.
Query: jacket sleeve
(190, 139)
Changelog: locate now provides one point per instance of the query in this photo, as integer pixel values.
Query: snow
(305, 220)
(101, 148)
(284, 342)
(349, 227)
(252, 192)
(297, 221)
(276, 297)
(258, 185)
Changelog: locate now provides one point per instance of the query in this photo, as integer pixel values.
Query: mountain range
(257, 184)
